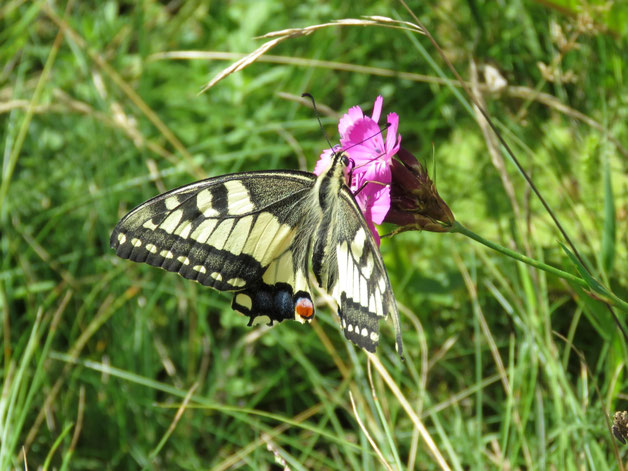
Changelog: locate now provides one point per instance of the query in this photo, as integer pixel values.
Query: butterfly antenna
(318, 118)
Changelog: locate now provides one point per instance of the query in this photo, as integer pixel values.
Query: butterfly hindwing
(361, 286)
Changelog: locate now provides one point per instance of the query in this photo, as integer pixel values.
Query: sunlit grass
(113, 365)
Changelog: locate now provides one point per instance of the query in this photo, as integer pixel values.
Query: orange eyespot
(304, 308)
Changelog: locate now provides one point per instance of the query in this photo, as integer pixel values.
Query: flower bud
(415, 204)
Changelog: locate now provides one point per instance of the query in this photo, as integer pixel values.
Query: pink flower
(372, 156)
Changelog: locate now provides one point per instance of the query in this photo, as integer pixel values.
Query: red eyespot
(304, 307)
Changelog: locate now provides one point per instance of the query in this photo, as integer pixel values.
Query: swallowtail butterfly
(258, 235)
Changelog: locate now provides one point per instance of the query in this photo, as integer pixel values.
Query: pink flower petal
(364, 141)
(377, 108)
(361, 156)
(324, 162)
(377, 172)
(354, 114)
(380, 205)
(375, 207)
(362, 130)
(392, 143)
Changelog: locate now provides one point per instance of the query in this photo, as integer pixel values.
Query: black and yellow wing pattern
(258, 235)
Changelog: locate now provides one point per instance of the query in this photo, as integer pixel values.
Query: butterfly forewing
(223, 232)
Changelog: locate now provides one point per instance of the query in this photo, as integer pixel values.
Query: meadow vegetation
(107, 364)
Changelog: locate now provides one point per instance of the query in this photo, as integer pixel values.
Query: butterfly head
(341, 167)
(342, 158)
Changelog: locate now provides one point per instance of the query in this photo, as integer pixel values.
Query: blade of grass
(55, 445)
(382, 460)
(153, 454)
(609, 230)
(392, 385)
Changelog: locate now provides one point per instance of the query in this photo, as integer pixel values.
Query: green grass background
(107, 364)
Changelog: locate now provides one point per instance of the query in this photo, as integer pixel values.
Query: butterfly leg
(366, 183)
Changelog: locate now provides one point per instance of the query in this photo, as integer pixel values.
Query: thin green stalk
(606, 295)
(459, 228)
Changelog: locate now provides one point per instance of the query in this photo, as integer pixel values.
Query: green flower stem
(459, 228)
(605, 295)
